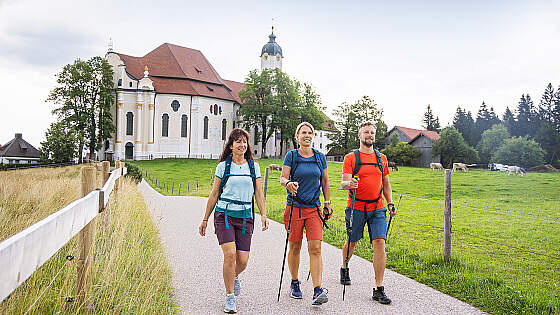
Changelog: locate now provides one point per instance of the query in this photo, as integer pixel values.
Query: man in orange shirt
(370, 186)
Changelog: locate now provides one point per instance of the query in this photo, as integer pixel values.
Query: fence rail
(22, 254)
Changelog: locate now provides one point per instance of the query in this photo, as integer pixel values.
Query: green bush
(401, 153)
(519, 151)
(133, 171)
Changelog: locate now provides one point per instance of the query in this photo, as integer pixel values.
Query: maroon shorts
(235, 231)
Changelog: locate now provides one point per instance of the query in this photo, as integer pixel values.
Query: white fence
(27, 251)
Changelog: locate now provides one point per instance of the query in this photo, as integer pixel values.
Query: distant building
(18, 151)
(421, 139)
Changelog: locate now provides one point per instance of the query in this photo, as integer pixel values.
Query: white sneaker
(231, 307)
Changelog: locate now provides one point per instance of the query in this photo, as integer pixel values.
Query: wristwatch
(327, 202)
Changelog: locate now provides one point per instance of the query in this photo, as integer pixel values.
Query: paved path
(197, 271)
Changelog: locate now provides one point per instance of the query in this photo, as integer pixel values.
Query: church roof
(18, 147)
(180, 70)
(272, 48)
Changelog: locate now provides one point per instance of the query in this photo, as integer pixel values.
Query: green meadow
(505, 229)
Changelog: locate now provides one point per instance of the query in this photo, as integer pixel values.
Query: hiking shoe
(345, 276)
(231, 307)
(295, 292)
(379, 295)
(236, 286)
(320, 296)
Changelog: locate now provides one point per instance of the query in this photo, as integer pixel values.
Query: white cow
(515, 169)
(460, 166)
(436, 166)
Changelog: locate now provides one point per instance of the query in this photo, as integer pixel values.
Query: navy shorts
(235, 231)
(376, 222)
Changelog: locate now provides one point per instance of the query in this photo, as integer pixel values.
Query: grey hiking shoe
(236, 286)
(231, 307)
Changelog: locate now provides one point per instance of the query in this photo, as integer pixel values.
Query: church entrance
(129, 151)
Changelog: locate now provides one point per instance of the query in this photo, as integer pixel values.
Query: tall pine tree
(430, 122)
(484, 120)
(464, 123)
(526, 116)
(509, 120)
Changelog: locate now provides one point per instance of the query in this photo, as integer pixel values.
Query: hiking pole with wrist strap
(349, 236)
(391, 218)
(286, 246)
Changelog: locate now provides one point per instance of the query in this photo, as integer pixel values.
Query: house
(421, 139)
(18, 151)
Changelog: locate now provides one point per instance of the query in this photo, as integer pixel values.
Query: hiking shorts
(309, 220)
(375, 220)
(235, 231)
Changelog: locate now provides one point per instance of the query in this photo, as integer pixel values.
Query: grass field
(130, 271)
(506, 230)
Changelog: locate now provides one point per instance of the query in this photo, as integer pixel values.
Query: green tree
(452, 148)
(485, 119)
(526, 117)
(464, 123)
(309, 107)
(430, 122)
(509, 120)
(287, 107)
(547, 103)
(491, 140)
(60, 144)
(84, 93)
(401, 153)
(519, 151)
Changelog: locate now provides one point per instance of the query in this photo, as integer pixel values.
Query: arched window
(215, 109)
(120, 82)
(211, 107)
(220, 110)
(183, 125)
(129, 123)
(165, 125)
(175, 105)
(205, 134)
(224, 129)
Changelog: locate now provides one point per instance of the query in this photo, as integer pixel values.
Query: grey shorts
(235, 231)
(375, 220)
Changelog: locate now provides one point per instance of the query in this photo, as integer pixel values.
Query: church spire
(110, 45)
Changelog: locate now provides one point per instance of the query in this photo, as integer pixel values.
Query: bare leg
(229, 266)
(293, 259)
(344, 250)
(241, 261)
(379, 260)
(315, 261)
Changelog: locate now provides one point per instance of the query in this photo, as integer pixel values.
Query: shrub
(133, 171)
(519, 151)
(401, 153)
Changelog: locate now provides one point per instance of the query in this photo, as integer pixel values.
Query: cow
(436, 166)
(515, 169)
(393, 166)
(460, 166)
(275, 167)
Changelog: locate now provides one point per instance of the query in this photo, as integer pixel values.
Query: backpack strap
(358, 163)
(225, 177)
(254, 178)
(357, 167)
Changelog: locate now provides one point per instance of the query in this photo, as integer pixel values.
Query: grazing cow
(460, 166)
(275, 167)
(393, 166)
(515, 169)
(436, 166)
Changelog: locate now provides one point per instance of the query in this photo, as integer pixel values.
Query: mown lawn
(506, 230)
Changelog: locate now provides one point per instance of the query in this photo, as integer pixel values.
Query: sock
(295, 281)
(317, 290)
(231, 295)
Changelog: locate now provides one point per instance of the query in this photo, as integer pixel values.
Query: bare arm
(326, 185)
(210, 204)
(348, 182)
(284, 179)
(259, 196)
(388, 192)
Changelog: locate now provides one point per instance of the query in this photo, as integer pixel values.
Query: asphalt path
(196, 263)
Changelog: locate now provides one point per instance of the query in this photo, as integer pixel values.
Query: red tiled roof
(181, 70)
(235, 88)
(431, 134)
(411, 133)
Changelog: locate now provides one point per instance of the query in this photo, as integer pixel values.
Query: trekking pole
(391, 218)
(349, 235)
(286, 246)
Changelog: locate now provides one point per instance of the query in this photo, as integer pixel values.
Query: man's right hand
(353, 183)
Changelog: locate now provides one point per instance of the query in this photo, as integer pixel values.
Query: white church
(173, 103)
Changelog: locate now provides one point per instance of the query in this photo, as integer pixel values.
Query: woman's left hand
(264, 222)
(327, 211)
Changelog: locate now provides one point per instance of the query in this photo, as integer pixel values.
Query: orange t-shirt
(369, 180)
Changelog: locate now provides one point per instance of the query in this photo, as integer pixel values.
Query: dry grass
(130, 271)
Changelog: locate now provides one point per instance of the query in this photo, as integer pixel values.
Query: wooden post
(197, 185)
(117, 188)
(105, 167)
(172, 186)
(167, 186)
(265, 182)
(447, 217)
(179, 192)
(86, 239)
(188, 187)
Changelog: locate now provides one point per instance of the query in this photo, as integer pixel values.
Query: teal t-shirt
(237, 188)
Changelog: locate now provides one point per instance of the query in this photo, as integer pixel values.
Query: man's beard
(369, 145)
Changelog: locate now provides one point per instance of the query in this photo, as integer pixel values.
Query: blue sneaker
(231, 307)
(236, 286)
(295, 292)
(320, 296)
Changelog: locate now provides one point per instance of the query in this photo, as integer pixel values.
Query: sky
(405, 55)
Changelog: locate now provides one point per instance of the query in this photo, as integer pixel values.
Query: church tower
(271, 54)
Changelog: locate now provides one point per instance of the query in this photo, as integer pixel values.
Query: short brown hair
(367, 123)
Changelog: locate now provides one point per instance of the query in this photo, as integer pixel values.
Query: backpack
(357, 167)
(227, 175)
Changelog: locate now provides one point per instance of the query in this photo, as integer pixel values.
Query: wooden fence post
(265, 182)
(197, 185)
(117, 188)
(172, 186)
(447, 217)
(105, 168)
(86, 241)
(179, 192)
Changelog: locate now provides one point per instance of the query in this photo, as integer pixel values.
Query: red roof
(235, 88)
(412, 133)
(181, 70)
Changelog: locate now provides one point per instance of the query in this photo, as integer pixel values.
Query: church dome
(272, 48)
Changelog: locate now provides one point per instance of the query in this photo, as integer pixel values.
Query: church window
(175, 105)
(265, 57)
(210, 89)
(120, 82)
(220, 110)
(183, 126)
(224, 129)
(278, 58)
(129, 123)
(216, 109)
(165, 125)
(320, 145)
(205, 134)
(129, 84)
(211, 107)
